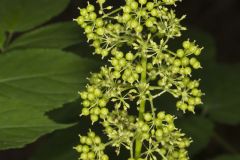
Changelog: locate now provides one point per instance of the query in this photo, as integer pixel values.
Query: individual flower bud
(198, 51)
(85, 148)
(78, 148)
(101, 1)
(83, 95)
(149, 23)
(86, 103)
(99, 22)
(154, 12)
(186, 44)
(150, 6)
(185, 61)
(80, 20)
(161, 115)
(119, 55)
(142, 2)
(100, 31)
(145, 128)
(83, 156)
(177, 62)
(85, 111)
(139, 68)
(139, 28)
(193, 48)
(134, 5)
(196, 65)
(104, 112)
(127, 9)
(147, 117)
(93, 16)
(84, 12)
(187, 70)
(94, 118)
(90, 8)
(129, 56)
(97, 92)
(180, 53)
(91, 155)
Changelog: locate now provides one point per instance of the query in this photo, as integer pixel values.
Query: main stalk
(138, 147)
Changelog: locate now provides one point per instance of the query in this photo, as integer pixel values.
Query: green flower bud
(142, 2)
(129, 56)
(147, 117)
(186, 44)
(85, 111)
(90, 8)
(134, 5)
(150, 6)
(101, 1)
(180, 53)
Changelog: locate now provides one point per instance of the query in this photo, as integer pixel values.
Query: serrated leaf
(60, 35)
(222, 93)
(21, 124)
(46, 78)
(22, 15)
(199, 129)
(228, 157)
(32, 82)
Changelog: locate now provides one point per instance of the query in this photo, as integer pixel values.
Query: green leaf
(199, 129)
(21, 124)
(32, 82)
(59, 145)
(22, 15)
(60, 35)
(228, 157)
(46, 78)
(222, 93)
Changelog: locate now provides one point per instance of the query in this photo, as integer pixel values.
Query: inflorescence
(141, 68)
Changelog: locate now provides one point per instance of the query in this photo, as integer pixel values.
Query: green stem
(114, 11)
(138, 147)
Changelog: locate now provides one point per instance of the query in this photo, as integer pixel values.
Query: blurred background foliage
(45, 60)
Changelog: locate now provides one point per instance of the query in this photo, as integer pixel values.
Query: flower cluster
(141, 68)
(91, 147)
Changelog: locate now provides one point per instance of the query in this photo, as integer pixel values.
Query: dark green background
(39, 26)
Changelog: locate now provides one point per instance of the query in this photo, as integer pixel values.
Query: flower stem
(138, 147)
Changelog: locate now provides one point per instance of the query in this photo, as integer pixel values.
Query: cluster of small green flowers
(91, 147)
(120, 128)
(94, 103)
(141, 68)
(174, 70)
(162, 137)
(158, 134)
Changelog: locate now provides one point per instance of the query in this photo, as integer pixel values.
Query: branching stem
(142, 105)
